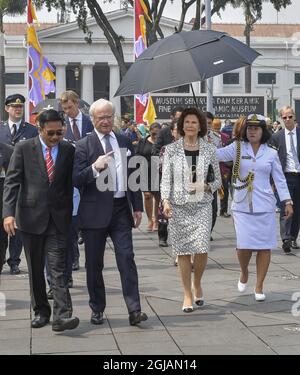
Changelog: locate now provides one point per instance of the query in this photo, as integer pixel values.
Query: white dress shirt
(78, 119)
(117, 159)
(10, 124)
(290, 163)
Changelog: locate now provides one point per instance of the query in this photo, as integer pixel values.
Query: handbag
(210, 174)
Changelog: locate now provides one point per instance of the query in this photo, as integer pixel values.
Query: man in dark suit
(106, 209)
(12, 131)
(287, 141)
(78, 126)
(5, 154)
(37, 199)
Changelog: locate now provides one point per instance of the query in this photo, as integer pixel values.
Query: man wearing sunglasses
(12, 131)
(37, 199)
(287, 141)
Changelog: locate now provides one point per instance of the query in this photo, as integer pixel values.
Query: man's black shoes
(39, 321)
(137, 317)
(64, 324)
(163, 243)
(97, 318)
(286, 246)
(294, 245)
(14, 270)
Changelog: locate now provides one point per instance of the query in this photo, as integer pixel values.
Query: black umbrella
(185, 57)
(55, 104)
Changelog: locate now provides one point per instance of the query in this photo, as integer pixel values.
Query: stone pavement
(229, 323)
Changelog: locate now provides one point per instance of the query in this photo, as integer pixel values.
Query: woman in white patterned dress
(187, 197)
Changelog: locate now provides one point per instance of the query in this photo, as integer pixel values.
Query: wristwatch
(289, 202)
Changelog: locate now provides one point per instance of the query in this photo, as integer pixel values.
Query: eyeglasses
(103, 118)
(52, 133)
(287, 117)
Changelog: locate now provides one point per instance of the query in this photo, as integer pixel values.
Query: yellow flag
(32, 39)
(149, 114)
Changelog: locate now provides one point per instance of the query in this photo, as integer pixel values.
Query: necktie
(49, 165)
(294, 152)
(14, 130)
(76, 132)
(108, 148)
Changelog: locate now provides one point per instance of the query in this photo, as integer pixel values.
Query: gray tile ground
(229, 323)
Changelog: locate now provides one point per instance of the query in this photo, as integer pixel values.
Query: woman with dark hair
(151, 193)
(187, 197)
(253, 206)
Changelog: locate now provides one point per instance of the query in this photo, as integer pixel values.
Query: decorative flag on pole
(144, 108)
(40, 72)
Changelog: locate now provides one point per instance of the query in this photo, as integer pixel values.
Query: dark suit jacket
(164, 138)
(96, 208)
(5, 155)
(87, 127)
(27, 193)
(278, 140)
(26, 131)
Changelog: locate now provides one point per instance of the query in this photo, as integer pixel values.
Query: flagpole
(27, 73)
(134, 97)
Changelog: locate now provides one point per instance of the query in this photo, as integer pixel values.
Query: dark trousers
(224, 201)
(72, 253)
(15, 249)
(289, 229)
(53, 245)
(120, 231)
(163, 231)
(3, 245)
(72, 247)
(214, 204)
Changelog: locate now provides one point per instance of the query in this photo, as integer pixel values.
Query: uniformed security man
(12, 131)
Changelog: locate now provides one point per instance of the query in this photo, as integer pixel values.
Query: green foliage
(12, 7)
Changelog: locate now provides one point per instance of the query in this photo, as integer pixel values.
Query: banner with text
(226, 107)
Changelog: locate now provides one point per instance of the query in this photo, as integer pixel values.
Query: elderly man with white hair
(107, 208)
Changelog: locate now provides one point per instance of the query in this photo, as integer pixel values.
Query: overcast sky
(230, 15)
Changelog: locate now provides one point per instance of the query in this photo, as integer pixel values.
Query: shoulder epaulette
(272, 146)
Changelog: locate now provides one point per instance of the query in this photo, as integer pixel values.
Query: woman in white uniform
(254, 204)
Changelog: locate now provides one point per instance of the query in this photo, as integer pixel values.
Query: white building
(93, 72)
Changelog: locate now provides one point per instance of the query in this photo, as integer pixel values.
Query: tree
(253, 13)
(7, 7)
(155, 10)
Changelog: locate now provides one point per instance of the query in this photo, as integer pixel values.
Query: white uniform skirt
(255, 231)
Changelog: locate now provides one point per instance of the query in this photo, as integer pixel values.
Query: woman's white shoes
(259, 296)
(242, 286)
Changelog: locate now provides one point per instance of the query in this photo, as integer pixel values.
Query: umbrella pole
(194, 96)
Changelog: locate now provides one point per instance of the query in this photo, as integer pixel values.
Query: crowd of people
(70, 177)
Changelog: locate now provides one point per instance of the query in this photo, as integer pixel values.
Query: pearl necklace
(191, 144)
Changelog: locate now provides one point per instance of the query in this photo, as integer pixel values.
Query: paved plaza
(229, 323)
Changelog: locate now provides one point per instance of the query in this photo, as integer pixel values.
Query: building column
(87, 82)
(196, 87)
(60, 79)
(114, 83)
(218, 85)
